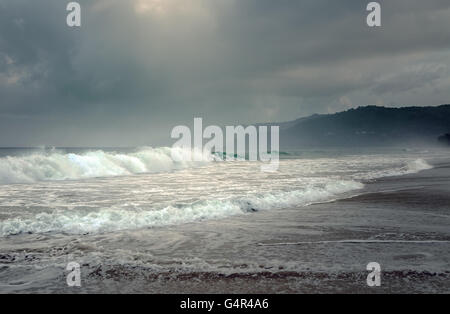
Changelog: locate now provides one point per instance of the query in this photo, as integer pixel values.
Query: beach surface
(401, 222)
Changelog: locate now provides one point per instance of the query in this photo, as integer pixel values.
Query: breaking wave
(59, 165)
(55, 165)
(409, 167)
(114, 219)
(417, 165)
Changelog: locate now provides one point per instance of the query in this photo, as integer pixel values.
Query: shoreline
(413, 277)
(404, 227)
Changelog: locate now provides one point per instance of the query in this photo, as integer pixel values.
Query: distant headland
(370, 126)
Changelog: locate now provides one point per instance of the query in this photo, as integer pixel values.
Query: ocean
(138, 221)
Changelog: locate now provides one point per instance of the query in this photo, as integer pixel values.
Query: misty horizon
(428, 139)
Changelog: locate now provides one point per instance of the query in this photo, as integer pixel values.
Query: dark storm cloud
(136, 68)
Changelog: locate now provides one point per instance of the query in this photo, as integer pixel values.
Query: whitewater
(59, 165)
(101, 191)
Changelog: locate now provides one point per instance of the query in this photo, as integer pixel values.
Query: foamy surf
(217, 191)
(408, 167)
(56, 165)
(114, 219)
(417, 165)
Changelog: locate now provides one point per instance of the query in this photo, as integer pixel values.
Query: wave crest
(115, 219)
(40, 166)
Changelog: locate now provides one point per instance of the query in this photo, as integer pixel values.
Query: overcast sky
(137, 68)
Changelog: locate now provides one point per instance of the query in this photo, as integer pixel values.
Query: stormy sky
(137, 68)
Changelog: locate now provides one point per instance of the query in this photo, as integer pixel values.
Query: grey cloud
(411, 78)
(137, 68)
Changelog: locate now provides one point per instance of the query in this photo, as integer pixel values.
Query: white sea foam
(409, 167)
(417, 165)
(221, 190)
(56, 165)
(113, 219)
